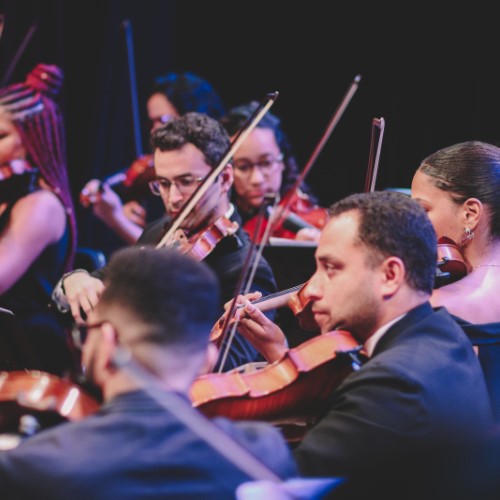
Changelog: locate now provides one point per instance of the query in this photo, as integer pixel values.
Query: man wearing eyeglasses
(186, 150)
(147, 340)
(127, 206)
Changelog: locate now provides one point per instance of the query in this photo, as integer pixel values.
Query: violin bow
(353, 87)
(127, 26)
(374, 157)
(200, 425)
(20, 50)
(244, 279)
(209, 180)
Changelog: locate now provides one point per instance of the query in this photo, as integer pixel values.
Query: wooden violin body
(200, 244)
(131, 183)
(290, 393)
(451, 263)
(49, 399)
(299, 214)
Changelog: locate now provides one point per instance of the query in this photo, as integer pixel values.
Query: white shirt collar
(230, 211)
(369, 345)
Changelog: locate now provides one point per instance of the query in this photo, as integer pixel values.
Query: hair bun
(46, 78)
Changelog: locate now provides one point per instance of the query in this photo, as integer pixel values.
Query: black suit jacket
(423, 384)
(134, 448)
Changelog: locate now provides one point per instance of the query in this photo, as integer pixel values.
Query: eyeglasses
(185, 185)
(266, 165)
(80, 333)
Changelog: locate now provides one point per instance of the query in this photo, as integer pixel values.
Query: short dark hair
(393, 224)
(468, 170)
(175, 295)
(198, 129)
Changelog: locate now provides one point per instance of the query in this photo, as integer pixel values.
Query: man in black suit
(422, 385)
(147, 441)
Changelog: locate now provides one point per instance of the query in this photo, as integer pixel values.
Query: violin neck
(275, 300)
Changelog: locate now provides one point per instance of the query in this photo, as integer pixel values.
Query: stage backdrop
(432, 75)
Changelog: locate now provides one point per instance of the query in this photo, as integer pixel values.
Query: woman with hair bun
(37, 222)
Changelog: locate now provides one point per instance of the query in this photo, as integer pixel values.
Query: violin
(173, 231)
(290, 393)
(292, 297)
(131, 183)
(47, 398)
(301, 213)
(295, 202)
(451, 263)
(200, 244)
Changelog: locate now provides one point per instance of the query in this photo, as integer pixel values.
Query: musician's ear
(108, 345)
(227, 178)
(473, 210)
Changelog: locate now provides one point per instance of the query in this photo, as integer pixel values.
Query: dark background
(431, 74)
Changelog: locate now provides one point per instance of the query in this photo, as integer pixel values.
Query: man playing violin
(147, 441)
(422, 383)
(186, 150)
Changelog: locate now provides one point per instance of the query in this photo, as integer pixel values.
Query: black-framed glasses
(185, 185)
(265, 165)
(80, 332)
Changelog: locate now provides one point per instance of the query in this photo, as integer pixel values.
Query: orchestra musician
(128, 206)
(458, 187)
(263, 164)
(186, 150)
(37, 222)
(146, 440)
(421, 385)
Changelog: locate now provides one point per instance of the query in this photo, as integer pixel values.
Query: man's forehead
(340, 230)
(181, 161)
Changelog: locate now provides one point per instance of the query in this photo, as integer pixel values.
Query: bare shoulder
(39, 204)
(473, 298)
(40, 211)
(454, 295)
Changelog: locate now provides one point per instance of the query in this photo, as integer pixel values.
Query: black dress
(30, 300)
(487, 337)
